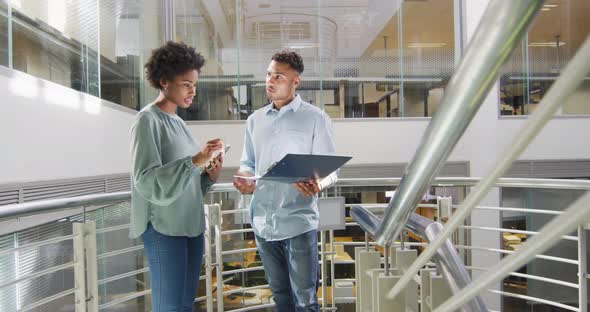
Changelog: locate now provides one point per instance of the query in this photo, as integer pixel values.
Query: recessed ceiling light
(550, 5)
(546, 44)
(427, 45)
(301, 45)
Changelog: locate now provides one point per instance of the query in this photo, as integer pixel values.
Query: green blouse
(167, 188)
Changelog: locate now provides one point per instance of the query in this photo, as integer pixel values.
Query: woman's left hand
(215, 168)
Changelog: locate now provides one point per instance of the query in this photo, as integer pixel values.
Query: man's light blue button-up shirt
(277, 210)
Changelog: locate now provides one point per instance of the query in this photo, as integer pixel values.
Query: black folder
(298, 167)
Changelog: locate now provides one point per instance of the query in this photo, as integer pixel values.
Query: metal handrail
(60, 204)
(549, 235)
(14, 211)
(103, 199)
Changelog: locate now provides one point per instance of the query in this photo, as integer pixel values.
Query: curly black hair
(289, 57)
(171, 60)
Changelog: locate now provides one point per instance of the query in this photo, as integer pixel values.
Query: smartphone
(225, 150)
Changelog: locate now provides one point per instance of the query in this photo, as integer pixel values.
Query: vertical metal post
(218, 258)
(9, 29)
(386, 255)
(208, 265)
(527, 85)
(583, 268)
(333, 252)
(402, 239)
(218, 269)
(320, 61)
(168, 19)
(91, 266)
(458, 29)
(323, 269)
(238, 47)
(400, 40)
(366, 241)
(79, 268)
(363, 100)
(17, 270)
(98, 54)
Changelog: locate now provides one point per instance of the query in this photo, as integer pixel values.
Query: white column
(482, 141)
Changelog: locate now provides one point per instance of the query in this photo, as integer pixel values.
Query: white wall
(51, 132)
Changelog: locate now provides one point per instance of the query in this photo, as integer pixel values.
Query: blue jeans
(175, 267)
(291, 268)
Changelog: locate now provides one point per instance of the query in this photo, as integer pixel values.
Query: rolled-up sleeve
(206, 183)
(248, 160)
(323, 143)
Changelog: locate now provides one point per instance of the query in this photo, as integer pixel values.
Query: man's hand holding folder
(308, 188)
(245, 186)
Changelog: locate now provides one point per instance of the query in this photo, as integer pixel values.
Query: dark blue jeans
(175, 266)
(291, 268)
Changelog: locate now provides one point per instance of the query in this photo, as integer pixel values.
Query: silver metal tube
(13, 211)
(37, 274)
(47, 300)
(230, 272)
(503, 230)
(567, 83)
(447, 258)
(119, 252)
(503, 24)
(49, 205)
(582, 268)
(39, 244)
(535, 299)
(245, 289)
(332, 270)
(532, 277)
(472, 181)
(208, 259)
(238, 231)
(126, 298)
(219, 266)
(525, 210)
(386, 258)
(323, 268)
(113, 228)
(576, 214)
(503, 251)
(255, 307)
(238, 251)
(121, 276)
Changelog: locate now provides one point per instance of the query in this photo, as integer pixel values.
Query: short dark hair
(289, 57)
(171, 60)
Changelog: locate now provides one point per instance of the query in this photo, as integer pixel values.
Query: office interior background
(72, 79)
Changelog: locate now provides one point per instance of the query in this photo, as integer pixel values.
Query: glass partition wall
(363, 59)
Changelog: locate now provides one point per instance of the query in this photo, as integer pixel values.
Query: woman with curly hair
(168, 179)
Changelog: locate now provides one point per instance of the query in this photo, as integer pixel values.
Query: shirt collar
(293, 105)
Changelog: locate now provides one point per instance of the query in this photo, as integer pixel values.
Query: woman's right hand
(207, 152)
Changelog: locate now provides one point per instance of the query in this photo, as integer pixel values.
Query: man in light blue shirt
(285, 216)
